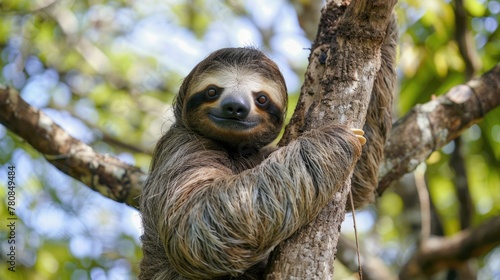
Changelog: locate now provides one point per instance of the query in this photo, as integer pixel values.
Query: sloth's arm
(216, 223)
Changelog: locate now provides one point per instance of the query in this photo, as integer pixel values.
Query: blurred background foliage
(107, 72)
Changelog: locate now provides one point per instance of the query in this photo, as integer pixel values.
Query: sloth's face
(236, 107)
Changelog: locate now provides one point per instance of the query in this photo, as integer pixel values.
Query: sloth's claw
(359, 133)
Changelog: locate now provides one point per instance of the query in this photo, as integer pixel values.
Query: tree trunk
(343, 64)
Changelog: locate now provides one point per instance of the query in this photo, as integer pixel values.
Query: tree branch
(429, 126)
(438, 253)
(102, 173)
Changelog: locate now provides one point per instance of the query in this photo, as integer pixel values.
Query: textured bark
(438, 253)
(343, 65)
(430, 126)
(104, 174)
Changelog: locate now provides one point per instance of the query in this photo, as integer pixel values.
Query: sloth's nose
(235, 107)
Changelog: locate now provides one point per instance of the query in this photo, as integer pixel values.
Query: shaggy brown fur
(213, 207)
(378, 123)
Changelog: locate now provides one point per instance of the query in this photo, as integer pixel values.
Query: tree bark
(343, 65)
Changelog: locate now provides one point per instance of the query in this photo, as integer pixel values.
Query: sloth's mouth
(233, 123)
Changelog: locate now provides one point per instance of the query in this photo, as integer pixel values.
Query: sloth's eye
(211, 92)
(262, 99)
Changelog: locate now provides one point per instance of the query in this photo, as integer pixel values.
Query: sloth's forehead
(238, 79)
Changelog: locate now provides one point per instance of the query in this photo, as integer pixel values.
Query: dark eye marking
(209, 94)
(267, 105)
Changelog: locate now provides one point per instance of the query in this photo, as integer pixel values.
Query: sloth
(218, 199)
